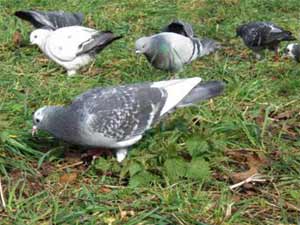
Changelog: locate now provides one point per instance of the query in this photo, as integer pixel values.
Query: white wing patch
(177, 90)
(275, 30)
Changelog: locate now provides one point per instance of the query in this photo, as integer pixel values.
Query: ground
(181, 171)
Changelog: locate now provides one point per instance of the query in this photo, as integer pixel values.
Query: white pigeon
(117, 117)
(72, 47)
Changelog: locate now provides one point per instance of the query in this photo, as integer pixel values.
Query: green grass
(181, 171)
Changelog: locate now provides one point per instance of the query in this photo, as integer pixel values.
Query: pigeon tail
(203, 91)
(284, 36)
(103, 39)
(208, 46)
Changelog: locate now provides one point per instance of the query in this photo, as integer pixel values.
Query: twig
(71, 165)
(2, 196)
(254, 178)
(113, 186)
(179, 221)
(228, 211)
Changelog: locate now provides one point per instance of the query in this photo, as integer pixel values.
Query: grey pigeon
(293, 51)
(50, 20)
(172, 49)
(263, 35)
(72, 47)
(117, 117)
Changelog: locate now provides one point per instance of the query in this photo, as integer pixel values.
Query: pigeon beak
(138, 51)
(34, 130)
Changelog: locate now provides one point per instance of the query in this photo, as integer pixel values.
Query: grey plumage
(263, 35)
(97, 42)
(170, 51)
(117, 117)
(203, 91)
(50, 20)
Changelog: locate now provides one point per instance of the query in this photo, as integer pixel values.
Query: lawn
(182, 170)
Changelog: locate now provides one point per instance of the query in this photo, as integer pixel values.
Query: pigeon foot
(71, 73)
(121, 154)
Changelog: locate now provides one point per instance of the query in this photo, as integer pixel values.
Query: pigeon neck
(60, 123)
(196, 49)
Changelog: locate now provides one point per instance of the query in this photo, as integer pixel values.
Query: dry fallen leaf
(253, 161)
(17, 38)
(105, 190)
(68, 178)
(284, 115)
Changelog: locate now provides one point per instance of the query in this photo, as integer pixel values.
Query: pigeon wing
(179, 27)
(120, 113)
(52, 20)
(97, 42)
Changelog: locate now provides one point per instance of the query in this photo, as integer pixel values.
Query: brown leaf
(68, 178)
(253, 161)
(17, 38)
(105, 190)
(284, 115)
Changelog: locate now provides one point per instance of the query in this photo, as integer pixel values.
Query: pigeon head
(142, 45)
(43, 116)
(293, 51)
(39, 36)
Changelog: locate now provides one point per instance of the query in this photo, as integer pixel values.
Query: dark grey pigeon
(117, 117)
(293, 51)
(175, 47)
(263, 35)
(180, 27)
(50, 20)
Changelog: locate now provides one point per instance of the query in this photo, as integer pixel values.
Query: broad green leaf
(198, 169)
(175, 168)
(142, 178)
(197, 146)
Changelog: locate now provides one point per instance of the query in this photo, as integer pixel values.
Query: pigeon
(72, 47)
(293, 51)
(50, 20)
(117, 117)
(175, 46)
(263, 35)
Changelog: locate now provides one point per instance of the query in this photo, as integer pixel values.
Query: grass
(181, 171)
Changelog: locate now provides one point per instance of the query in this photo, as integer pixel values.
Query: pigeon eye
(37, 120)
(35, 36)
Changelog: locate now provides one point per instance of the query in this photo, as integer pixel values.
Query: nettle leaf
(197, 146)
(134, 168)
(142, 178)
(175, 168)
(198, 169)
